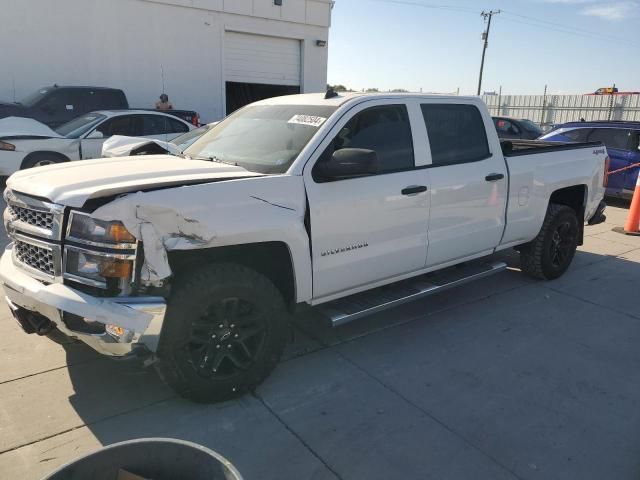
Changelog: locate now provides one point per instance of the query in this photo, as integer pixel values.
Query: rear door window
(577, 135)
(612, 137)
(176, 126)
(110, 99)
(154, 125)
(81, 101)
(456, 133)
(125, 125)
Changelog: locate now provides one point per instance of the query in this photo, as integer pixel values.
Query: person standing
(164, 103)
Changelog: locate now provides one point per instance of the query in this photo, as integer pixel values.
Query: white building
(207, 55)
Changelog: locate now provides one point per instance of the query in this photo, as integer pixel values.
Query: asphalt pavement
(505, 378)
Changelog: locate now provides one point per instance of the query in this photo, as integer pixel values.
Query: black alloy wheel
(227, 339)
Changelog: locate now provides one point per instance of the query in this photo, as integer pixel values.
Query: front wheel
(549, 255)
(40, 160)
(225, 331)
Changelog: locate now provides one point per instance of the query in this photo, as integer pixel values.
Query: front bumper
(140, 317)
(10, 162)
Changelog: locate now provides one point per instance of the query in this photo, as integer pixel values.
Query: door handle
(492, 177)
(413, 189)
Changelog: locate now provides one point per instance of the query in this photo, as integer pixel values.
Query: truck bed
(514, 148)
(548, 167)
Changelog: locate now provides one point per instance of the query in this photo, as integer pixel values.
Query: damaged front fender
(216, 214)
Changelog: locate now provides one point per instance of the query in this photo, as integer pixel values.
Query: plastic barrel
(150, 458)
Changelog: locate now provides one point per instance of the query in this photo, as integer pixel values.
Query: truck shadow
(120, 400)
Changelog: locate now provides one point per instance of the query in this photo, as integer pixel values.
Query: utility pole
(544, 102)
(485, 36)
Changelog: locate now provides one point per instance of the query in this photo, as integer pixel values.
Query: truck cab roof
(342, 98)
(79, 87)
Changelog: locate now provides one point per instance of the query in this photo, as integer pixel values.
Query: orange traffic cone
(632, 226)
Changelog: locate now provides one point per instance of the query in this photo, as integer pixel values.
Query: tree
(372, 90)
(399, 90)
(337, 88)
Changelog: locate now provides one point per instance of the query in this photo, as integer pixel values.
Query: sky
(572, 46)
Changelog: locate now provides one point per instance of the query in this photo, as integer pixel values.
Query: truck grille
(31, 217)
(35, 226)
(39, 258)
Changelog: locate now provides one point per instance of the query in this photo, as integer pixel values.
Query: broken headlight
(99, 253)
(97, 267)
(86, 229)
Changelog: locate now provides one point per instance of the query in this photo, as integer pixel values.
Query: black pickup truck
(56, 105)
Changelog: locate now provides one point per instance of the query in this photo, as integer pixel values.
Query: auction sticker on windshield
(310, 120)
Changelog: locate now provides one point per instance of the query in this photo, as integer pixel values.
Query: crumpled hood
(25, 127)
(121, 146)
(73, 183)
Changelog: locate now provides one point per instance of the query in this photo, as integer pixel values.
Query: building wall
(132, 44)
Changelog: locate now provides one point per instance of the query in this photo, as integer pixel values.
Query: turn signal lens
(122, 335)
(119, 234)
(119, 331)
(116, 269)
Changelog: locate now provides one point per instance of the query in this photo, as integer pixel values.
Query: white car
(26, 143)
(122, 146)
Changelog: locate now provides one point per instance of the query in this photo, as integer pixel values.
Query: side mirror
(348, 163)
(95, 134)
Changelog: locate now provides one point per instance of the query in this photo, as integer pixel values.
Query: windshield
(183, 140)
(79, 126)
(262, 138)
(532, 127)
(31, 100)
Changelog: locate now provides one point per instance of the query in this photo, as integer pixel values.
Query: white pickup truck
(348, 203)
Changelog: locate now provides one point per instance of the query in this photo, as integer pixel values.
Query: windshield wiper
(216, 160)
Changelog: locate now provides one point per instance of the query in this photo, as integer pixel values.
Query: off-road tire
(204, 294)
(537, 258)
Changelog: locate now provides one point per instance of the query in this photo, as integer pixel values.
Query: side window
(154, 125)
(578, 135)
(175, 126)
(611, 137)
(57, 101)
(456, 133)
(106, 99)
(505, 126)
(81, 101)
(386, 130)
(125, 125)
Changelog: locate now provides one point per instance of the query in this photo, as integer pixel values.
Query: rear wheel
(549, 255)
(224, 333)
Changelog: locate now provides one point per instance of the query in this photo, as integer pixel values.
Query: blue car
(622, 140)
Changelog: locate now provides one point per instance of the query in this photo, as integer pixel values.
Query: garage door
(261, 59)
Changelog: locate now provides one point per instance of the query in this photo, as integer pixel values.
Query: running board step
(366, 303)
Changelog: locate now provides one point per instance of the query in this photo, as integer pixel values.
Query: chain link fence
(548, 110)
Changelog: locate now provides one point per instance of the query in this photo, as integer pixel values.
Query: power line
(539, 23)
(430, 5)
(592, 36)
